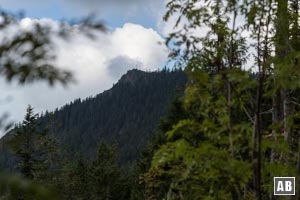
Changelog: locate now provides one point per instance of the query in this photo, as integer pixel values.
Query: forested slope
(124, 115)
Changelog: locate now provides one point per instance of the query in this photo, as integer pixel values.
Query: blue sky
(114, 12)
(134, 40)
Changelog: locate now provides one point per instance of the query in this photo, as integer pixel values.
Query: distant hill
(125, 115)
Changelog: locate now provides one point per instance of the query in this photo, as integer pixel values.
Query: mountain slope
(125, 115)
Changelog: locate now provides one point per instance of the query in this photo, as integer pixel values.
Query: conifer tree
(105, 175)
(24, 146)
(38, 154)
(79, 184)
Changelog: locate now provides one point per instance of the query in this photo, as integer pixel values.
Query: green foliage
(13, 187)
(228, 141)
(106, 178)
(37, 153)
(78, 179)
(24, 144)
(196, 161)
(176, 112)
(226, 138)
(192, 173)
(100, 178)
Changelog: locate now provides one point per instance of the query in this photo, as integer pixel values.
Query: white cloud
(120, 64)
(91, 62)
(132, 40)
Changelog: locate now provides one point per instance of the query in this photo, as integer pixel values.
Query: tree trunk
(298, 172)
(275, 119)
(286, 114)
(229, 87)
(107, 195)
(256, 157)
(282, 50)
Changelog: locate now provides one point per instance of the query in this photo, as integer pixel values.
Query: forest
(125, 115)
(220, 124)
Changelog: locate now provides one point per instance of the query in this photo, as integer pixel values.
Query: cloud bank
(96, 65)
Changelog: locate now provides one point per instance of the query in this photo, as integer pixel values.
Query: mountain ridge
(125, 114)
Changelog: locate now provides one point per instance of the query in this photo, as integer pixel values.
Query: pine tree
(39, 157)
(105, 176)
(23, 144)
(79, 183)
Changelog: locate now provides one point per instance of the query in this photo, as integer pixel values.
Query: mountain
(124, 115)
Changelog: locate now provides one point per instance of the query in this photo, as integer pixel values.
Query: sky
(135, 39)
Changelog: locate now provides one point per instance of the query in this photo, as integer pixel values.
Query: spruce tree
(105, 175)
(23, 145)
(79, 182)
